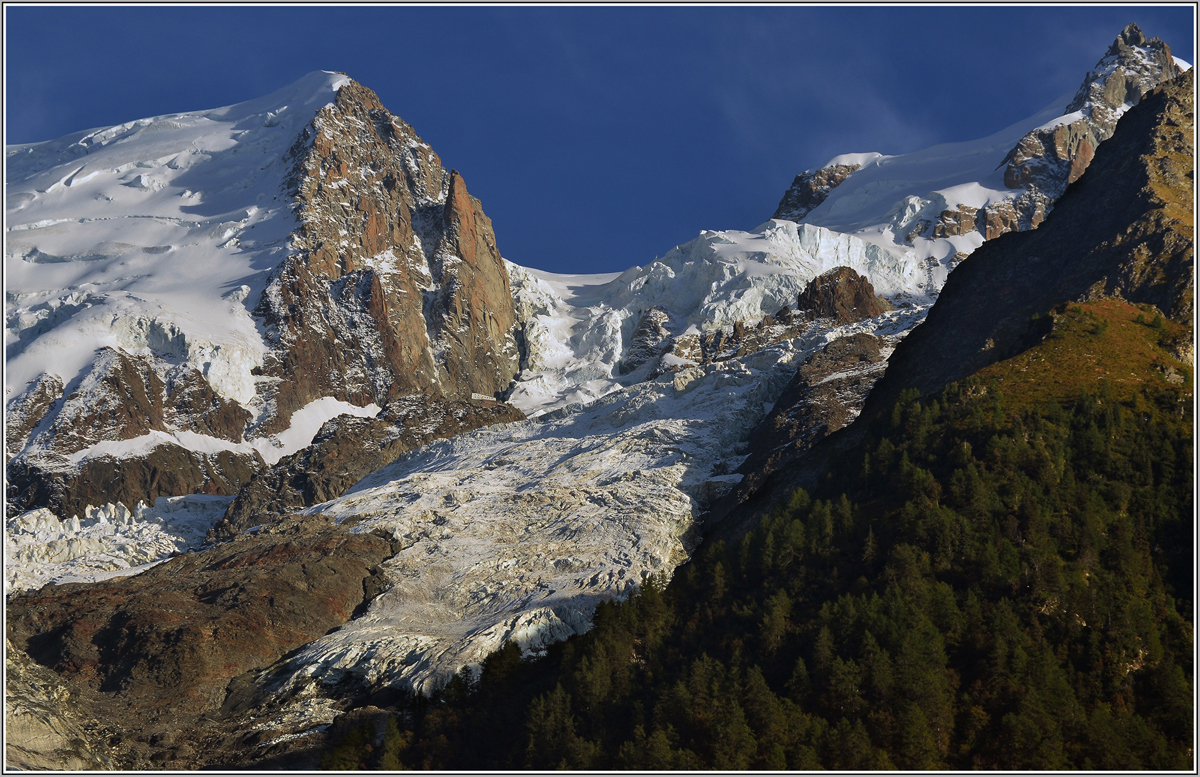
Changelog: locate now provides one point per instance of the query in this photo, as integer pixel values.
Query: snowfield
(888, 196)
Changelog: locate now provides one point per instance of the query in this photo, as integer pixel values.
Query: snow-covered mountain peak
(943, 202)
(163, 224)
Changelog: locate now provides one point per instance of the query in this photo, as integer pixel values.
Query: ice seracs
(577, 329)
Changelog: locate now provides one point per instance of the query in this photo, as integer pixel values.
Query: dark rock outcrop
(348, 448)
(192, 405)
(166, 469)
(394, 284)
(123, 397)
(810, 189)
(120, 398)
(843, 295)
(158, 651)
(650, 338)
(1126, 228)
(27, 410)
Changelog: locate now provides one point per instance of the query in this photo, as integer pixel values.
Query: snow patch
(305, 424)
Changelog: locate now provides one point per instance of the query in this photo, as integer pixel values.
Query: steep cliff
(1124, 229)
(394, 284)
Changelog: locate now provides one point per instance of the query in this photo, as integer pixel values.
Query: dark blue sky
(596, 137)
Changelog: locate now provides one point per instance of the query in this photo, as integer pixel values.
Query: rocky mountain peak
(810, 189)
(1049, 158)
(379, 277)
(394, 264)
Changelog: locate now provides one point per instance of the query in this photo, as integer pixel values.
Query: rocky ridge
(1035, 170)
(1124, 229)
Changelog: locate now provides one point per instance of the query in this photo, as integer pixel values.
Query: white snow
(855, 159)
(151, 235)
(1183, 64)
(883, 201)
(305, 424)
(580, 326)
(41, 548)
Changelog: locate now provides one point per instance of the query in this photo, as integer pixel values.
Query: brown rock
(810, 189)
(120, 398)
(158, 651)
(26, 411)
(955, 221)
(166, 470)
(192, 405)
(843, 295)
(1051, 159)
(385, 234)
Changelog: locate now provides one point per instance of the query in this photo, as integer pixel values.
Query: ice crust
(578, 327)
(108, 541)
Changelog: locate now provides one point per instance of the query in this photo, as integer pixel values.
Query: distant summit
(943, 202)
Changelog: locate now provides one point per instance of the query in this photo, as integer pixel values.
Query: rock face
(26, 411)
(394, 284)
(649, 339)
(157, 650)
(70, 462)
(384, 280)
(1123, 229)
(44, 727)
(167, 469)
(346, 449)
(843, 295)
(1048, 159)
(810, 189)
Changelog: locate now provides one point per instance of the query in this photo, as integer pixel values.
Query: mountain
(941, 203)
(991, 570)
(462, 453)
(196, 294)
